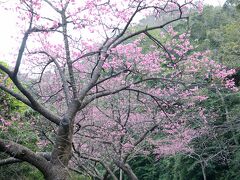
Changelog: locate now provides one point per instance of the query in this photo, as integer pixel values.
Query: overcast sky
(8, 28)
(214, 2)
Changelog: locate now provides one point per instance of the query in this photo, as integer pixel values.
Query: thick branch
(68, 57)
(17, 96)
(20, 53)
(22, 153)
(23, 46)
(13, 160)
(9, 161)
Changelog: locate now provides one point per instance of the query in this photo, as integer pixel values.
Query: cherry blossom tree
(107, 98)
(160, 118)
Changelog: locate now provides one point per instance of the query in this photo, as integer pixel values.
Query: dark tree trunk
(62, 151)
(56, 173)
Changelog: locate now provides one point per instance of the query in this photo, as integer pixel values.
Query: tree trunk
(56, 173)
(127, 170)
(120, 174)
(203, 171)
(62, 150)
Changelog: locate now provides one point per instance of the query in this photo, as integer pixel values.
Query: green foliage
(178, 167)
(20, 172)
(7, 101)
(229, 49)
(13, 111)
(217, 29)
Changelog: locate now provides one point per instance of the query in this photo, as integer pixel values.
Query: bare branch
(145, 30)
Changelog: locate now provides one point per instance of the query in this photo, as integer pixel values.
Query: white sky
(215, 2)
(8, 29)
